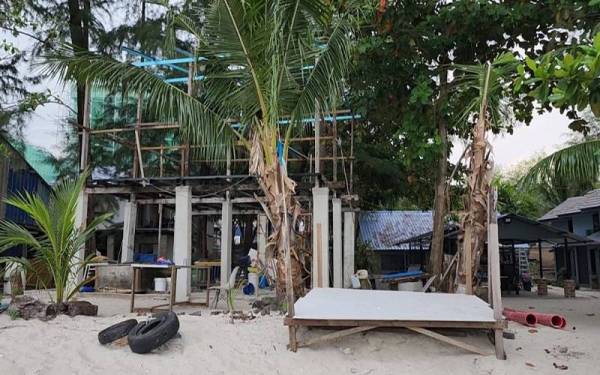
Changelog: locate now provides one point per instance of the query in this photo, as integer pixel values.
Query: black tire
(147, 336)
(116, 331)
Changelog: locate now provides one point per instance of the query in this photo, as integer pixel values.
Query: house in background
(580, 216)
(20, 173)
(389, 234)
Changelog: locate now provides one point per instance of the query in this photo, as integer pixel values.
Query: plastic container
(168, 284)
(253, 279)
(160, 284)
(411, 286)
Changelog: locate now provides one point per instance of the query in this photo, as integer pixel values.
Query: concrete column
(226, 241)
(261, 238)
(80, 222)
(182, 246)
(338, 273)
(320, 263)
(129, 222)
(110, 247)
(349, 237)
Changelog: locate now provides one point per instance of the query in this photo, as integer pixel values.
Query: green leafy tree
(401, 82)
(57, 240)
(567, 79)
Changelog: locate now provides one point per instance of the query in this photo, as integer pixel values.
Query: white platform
(357, 304)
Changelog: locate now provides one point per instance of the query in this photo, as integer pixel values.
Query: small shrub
(14, 314)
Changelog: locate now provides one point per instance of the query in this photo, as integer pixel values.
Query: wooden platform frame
(419, 326)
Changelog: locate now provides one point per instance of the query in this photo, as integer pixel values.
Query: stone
(30, 308)
(81, 308)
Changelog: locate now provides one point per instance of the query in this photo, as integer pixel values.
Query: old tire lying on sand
(116, 331)
(147, 336)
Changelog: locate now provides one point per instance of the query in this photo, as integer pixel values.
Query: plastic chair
(227, 290)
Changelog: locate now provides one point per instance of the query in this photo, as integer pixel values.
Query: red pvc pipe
(523, 317)
(551, 320)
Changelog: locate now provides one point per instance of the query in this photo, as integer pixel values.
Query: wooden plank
(448, 340)
(429, 282)
(468, 261)
(173, 291)
(494, 276)
(133, 277)
(393, 323)
(334, 335)
(318, 257)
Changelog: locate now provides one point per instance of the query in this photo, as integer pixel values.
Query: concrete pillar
(80, 222)
(129, 223)
(110, 247)
(182, 246)
(349, 237)
(226, 240)
(336, 208)
(261, 238)
(320, 263)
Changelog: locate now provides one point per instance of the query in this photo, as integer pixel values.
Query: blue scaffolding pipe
(308, 120)
(151, 59)
(182, 79)
(169, 62)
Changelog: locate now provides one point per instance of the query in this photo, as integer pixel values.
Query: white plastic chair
(227, 290)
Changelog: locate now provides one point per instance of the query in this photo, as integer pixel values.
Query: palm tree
(57, 240)
(485, 84)
(265, 60)
(570, 171)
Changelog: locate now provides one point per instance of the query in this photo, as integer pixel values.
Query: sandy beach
(211, 344)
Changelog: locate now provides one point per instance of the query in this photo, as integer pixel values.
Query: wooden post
(85, 134)
(597, 260)
(138, 145)
(317, 130)
(576, 265)
(160, 220)
(567, 259)
(494, 259)
(334, 146)
(133, 277)
(540, 256)
(468, 251)
(589, 264)
(351, 153)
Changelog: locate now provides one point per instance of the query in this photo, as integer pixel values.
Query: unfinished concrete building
(180, 207)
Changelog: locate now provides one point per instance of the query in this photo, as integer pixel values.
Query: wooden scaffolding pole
(85, 135)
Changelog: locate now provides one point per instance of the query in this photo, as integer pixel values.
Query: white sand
(212, 345)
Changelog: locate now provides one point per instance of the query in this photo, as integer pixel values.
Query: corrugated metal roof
(574, 205)
(386, 230)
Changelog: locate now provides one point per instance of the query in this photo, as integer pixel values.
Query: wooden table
(138, 267)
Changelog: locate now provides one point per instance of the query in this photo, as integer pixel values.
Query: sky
(545, 134)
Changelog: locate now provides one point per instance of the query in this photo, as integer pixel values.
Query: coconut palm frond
(576, 163)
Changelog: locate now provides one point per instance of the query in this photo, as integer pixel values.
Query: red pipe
(523, 317)
(551, 320)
